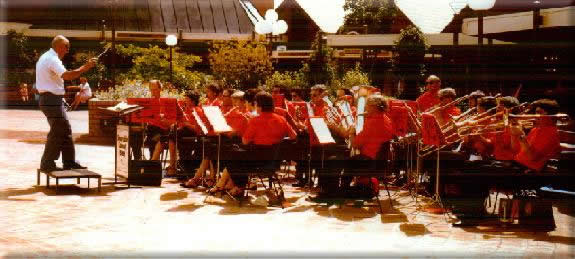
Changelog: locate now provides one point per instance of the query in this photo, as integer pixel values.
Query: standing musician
(267, 129)
(430, 98)
(50, 76)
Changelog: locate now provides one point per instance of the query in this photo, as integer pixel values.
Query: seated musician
(502, 150)
(213, 91)
(430, 98)
(319, 108)
(377, 130)
(237, 119)
(473, 99)
(250, 98)
(542, 143)
(446, 96)
(267, 129)
(188, 152)
(157, 131)
(226, 98)
(472, 144)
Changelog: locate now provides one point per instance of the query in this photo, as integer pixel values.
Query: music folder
(321, 130)
(360, 118)
(216, 119)
(200, 123)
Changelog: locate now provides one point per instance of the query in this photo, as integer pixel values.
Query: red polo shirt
(427, 100)
(449, 112)
(214, 102)
(502, 148)
(267, 128)
(544, 144)
(377, 130)
(237, 120)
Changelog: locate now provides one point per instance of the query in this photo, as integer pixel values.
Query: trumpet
(454, 102)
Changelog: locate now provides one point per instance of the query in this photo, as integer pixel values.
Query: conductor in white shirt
(50, 76)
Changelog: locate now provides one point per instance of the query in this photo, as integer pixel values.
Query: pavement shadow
(172, 196)
(63, 189)
(185, 208)
(411, 230)
(521, 232)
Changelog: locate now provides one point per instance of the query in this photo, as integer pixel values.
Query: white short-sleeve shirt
(85, 90)
(49, 70)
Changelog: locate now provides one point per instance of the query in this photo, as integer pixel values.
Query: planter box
(102, 124)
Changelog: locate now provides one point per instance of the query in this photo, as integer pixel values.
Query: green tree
(93, 75)
(320, 68)
(408, 61)
(153, 63)
(352, 78)
(377, 15)
(20, 59)
(240, 64)
(286, 80)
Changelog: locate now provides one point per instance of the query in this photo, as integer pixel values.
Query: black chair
(263, 162)
(377, 168)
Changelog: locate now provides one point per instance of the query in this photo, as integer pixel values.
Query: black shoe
(50, 169)
(74, 166)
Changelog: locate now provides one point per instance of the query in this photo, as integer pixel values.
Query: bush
(240, 64)
(286, 80)
(153, 63)
(352, 78)
(133, 89)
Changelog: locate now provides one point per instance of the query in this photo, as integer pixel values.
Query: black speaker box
(145, 172)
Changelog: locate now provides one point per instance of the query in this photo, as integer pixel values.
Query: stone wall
(102, 124)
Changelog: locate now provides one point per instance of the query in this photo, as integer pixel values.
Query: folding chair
(378, 169)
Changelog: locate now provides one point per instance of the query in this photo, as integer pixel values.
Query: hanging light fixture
(429, 16)
(481, 4)
(458, 5)
(271, 24)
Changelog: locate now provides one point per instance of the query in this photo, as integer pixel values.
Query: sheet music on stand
(327, 101)
(200, 123)
(216, 119)
(321, 131)
(360, 112)
(346, 109)
(309, 109)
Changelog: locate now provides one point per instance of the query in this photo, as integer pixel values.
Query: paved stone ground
(171, 221)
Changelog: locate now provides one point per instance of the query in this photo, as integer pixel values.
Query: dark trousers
(59, 138)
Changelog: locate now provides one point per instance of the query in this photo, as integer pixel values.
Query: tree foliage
(20, 59)
(320, 67)
(352, 78)
(378, 15)
(93, 75)
(286, 80)
(408, 61)
(153, 63)
(240, 64)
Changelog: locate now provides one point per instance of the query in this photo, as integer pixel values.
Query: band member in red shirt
(266, 129)
(542, 143)
(226, 98)
(446, 96)
(213, 91)
(430, 97)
